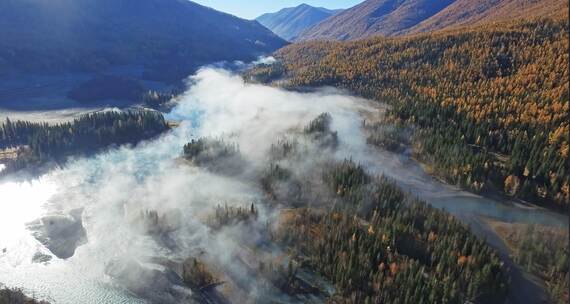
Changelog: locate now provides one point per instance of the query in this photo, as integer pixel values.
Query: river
(149, 175)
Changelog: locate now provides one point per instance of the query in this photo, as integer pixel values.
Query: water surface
(149, 176)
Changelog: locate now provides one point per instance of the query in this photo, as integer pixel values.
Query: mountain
(398, 17)
(470, 12)
(373, 17)
(167, 39)
(490, 100)
(289, 22)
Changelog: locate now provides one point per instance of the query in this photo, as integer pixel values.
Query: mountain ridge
(289, 22)
(477, 12)
(400, 17)
(169, 38)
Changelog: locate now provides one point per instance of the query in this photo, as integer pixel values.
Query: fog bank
(114, 189)
(144, 209)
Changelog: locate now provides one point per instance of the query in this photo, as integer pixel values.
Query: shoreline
(510, 235)
(426, 167)
(490, 194)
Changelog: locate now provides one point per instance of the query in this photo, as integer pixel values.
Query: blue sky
(250, 9)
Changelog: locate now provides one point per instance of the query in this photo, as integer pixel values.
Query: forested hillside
(470, 12)
(490, 102)
(398, 248)
(374, 242)
(399, 17)
(374, 17)
(33, 144)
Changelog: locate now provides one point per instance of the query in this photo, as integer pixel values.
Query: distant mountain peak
(289, 22)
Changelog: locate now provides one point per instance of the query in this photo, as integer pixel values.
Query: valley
(463, 115)
(388, 151)
(147, 164)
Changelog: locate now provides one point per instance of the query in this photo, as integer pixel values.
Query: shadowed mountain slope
(168, 38)
(398, 17)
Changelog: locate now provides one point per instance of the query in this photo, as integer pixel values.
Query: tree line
(379, 245)
(362, 233)
(38, 143)
(490, 102)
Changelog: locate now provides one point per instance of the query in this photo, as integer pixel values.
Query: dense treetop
(379, 245)
(491, 101)
(37, 143)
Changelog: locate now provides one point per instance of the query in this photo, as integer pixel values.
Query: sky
(250, 9)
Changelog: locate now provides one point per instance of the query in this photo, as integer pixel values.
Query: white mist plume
(114, 185)
(265, 60)
(256, 115)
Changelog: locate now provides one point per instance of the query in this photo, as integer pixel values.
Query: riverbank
(488, 193)
(422, 180)
(16, 296)
(156, 182)
(540, 250)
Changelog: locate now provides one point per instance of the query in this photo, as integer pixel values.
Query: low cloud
(116, 185)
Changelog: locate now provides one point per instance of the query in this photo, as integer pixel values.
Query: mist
(111, 190)
(144, 209)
